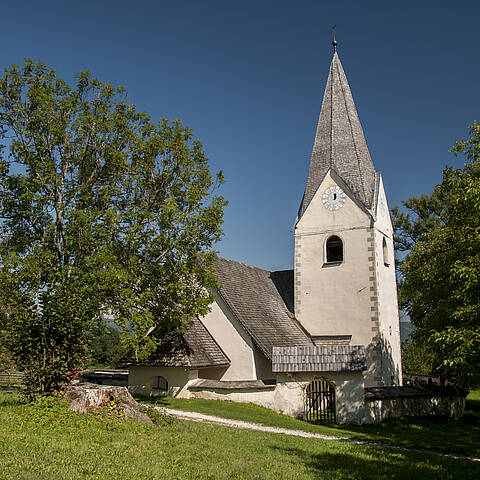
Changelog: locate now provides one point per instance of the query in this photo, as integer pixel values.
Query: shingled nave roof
(260, 300)
(339, 143)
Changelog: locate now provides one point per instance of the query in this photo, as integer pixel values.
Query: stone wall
(105, 377)
(11, 378)
(262, 397)
(413, 402)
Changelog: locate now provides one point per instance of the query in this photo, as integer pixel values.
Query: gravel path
(200, 417)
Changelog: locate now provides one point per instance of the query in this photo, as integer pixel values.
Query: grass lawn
(442, 434)
(47, 442)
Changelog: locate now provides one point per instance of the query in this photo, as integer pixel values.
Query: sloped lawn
(442, 434)
(46, 442)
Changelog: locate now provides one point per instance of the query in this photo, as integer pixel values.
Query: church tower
(345, 285)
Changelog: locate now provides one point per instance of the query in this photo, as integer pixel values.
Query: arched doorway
(320, 401)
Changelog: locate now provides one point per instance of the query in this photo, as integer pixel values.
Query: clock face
(333, 198)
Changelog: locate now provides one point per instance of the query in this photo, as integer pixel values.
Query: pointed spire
(339, 142)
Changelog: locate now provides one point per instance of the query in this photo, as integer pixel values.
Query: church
(305, 342)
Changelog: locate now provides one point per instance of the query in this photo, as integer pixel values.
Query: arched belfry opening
(320, 401)
(334, 250)
(386, 256)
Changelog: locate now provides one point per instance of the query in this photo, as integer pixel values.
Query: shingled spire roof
(339, 143)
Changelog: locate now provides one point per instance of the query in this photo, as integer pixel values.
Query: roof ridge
(243, 264)
(351, 130)
(284, 270)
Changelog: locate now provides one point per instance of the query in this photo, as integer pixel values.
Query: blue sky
(248, 78)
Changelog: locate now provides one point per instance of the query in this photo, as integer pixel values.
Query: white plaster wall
(288, 396)
(318, 218)
(263, 366)
(349, 394)
(140, 380)
(357, 297)
(333, 299)
(383, 221)
(211, 373)
(389, 326)
(232, 339)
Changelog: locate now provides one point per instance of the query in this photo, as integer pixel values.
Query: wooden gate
(320, 402)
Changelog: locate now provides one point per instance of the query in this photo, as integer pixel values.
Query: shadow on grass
(153, 400)
(473, 406)
(448, 435)
(9, 398)
(377, 464)
(436, 433)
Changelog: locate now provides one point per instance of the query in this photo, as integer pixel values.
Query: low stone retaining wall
(392, 402)
(105, 377)
(11, 378)
(253, 391)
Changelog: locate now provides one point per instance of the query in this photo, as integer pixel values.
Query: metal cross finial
(334, 43)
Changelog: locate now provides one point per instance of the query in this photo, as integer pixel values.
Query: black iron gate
(320, 402)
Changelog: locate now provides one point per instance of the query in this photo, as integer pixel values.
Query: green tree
(416, 358)
(102, 212)
(6, 360)
(106, 348)
(440, 275)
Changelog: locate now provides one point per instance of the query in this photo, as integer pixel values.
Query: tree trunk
(86, 397)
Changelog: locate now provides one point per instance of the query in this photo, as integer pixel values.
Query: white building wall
(388, 319)
(333, 299)
(349, 394)
(263, 366)
(140, 380)
(358, 296)
(288, 395)
(233, 340)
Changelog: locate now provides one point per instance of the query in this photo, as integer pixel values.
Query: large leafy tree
(102, 212)
(6, 360)
(440, 274)
(106, 349)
